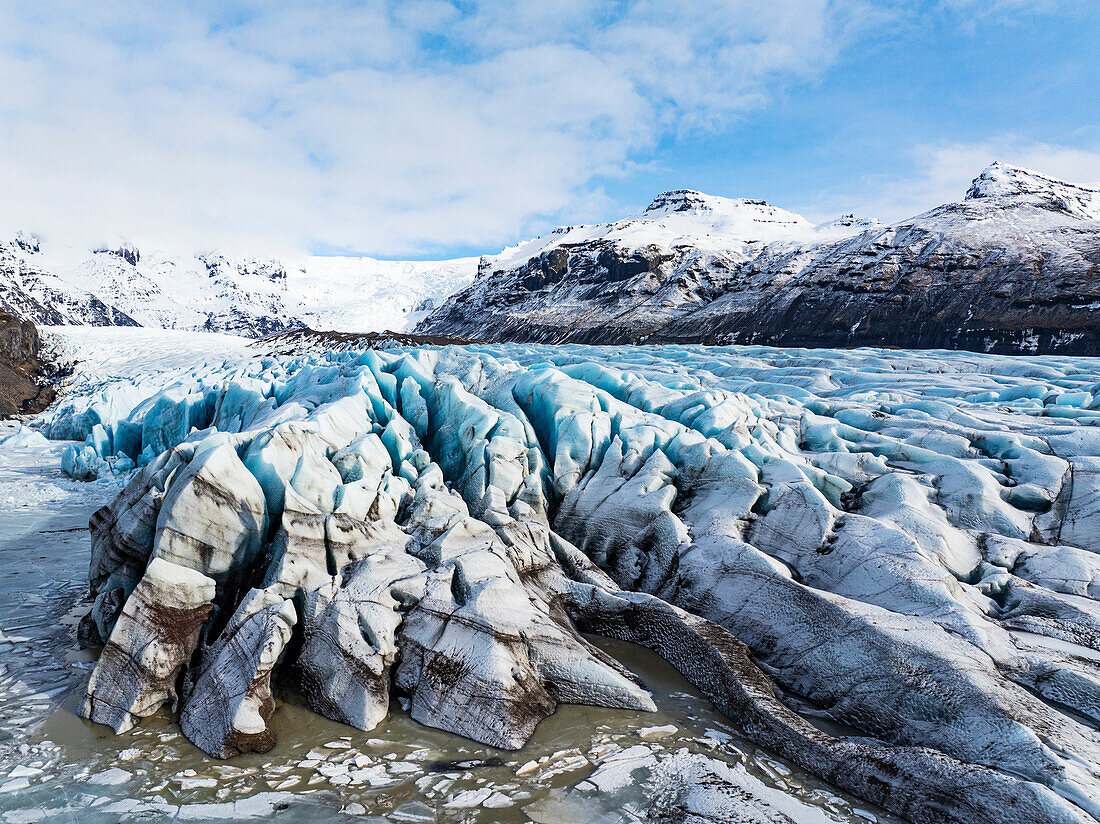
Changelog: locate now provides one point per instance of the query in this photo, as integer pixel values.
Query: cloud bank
(392, 128)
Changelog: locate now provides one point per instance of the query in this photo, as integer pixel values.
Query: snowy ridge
(1007, 269)
(686, 218)
(1004, 181)
(903, 539)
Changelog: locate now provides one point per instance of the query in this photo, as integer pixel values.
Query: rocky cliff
(20, 389)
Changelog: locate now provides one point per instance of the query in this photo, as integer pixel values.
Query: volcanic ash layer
(907, 545)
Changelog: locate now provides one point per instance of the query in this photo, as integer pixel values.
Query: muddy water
(582, 765)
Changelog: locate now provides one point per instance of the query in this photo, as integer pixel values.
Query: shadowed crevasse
(438, 525)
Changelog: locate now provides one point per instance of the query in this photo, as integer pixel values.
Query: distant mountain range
(252, 297)
(1013, 267)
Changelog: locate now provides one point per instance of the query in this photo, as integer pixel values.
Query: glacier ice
(902, 547)
(153, 639)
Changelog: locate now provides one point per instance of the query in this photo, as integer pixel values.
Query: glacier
(882, 565)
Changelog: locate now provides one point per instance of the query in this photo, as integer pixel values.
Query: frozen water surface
(905, 541)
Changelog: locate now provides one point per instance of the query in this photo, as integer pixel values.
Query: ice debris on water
(23, 437)
(114, 775)
(905, 540)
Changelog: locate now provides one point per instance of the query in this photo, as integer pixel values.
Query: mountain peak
(686, 200)
(690, 213)
(846, 225)
(124, 250)
(1002, 180)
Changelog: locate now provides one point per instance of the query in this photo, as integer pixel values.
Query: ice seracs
(151, 642)
(230, 703)
(899, 543)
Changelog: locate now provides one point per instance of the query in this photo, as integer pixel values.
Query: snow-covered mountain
(686, 218)
(350, 294)
(577, 282)
(123, 285)
(1003, 181)
(1011, 268)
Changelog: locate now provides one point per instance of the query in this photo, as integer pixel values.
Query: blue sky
(900, 108)
(433, 129)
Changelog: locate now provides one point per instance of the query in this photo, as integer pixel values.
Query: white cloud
(989, 8)
(942, 174)
(388, 128)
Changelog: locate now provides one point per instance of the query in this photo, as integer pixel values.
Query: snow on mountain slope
(350, 294)
(31, 292)
(1011, 268)
(138, 292)
(685, 217)
(1003, 181)
(626, 279)
(55, 284)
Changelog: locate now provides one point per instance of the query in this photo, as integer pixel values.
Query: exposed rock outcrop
(23, 389)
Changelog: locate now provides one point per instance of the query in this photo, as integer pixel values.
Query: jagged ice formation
(900, 547)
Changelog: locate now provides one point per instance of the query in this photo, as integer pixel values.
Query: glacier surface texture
(882, 565)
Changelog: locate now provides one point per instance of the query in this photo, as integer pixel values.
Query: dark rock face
(595, 293)
(28, 243)
(302, 340)
(20, 388)
(125, 251)
(1013, 268)
(925, 284)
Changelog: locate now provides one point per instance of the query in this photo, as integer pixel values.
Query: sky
(441, 128)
